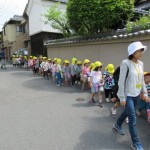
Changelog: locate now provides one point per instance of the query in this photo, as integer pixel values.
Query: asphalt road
(37, 115)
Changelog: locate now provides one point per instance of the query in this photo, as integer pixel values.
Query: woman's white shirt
(127, 84)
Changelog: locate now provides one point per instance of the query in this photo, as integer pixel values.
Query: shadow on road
(102, 136)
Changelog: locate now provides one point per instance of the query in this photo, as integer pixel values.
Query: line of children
(78, 73)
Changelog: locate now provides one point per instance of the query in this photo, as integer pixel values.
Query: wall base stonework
(106, 51)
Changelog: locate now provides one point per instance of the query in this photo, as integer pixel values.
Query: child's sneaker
(107, 100)
(113, 111)
(100, 105)
(138, 113)
(58, 85)
(92, 100)
(127, 120)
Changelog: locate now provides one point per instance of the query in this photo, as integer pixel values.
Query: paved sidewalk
(37, 115)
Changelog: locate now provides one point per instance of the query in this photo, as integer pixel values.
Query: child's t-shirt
(96, 76)
(85, 70)
(59, 69)
(109, 81)
(54, 68)
(67, 69)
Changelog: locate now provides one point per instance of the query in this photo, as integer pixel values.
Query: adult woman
(130, 89)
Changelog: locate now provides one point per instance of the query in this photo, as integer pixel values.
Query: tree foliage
(94, 16)
(58, 20)
(142, 23)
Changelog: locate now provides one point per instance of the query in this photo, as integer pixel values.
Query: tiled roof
(62, 1)
(142, 9)
(101, 37)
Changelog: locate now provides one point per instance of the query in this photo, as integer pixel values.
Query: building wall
(38, 40)
(20, 42)
(109, 51)
(46, 5)
(35, 11)
(11, 32)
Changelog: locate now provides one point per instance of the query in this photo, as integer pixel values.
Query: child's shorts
(95, 88)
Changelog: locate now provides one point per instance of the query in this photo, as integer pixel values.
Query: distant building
(15, 33)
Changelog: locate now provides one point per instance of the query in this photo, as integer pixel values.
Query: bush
(94, 16)
(143, 23)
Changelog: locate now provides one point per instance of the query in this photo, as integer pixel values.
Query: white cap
(133, 47)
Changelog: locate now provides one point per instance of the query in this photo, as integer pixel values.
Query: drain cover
(80, 99)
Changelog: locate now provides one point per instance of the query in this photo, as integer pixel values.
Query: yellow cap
(66, 61)
(49, 59)
(31, 56)
(34, 57)
(59, 61)
(146, 73)
(97, 64)
(55, 59)
(86, 61)
(79, 62)
(74, 60)
(91, 65)
(44, 58)
(110, 68)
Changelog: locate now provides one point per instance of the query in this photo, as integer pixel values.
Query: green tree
(94, 16)
(58, 20)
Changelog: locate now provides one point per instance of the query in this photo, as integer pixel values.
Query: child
(67, 71)
(59, 73)
(109, 82)
(42, 66)
(35, 65)
(50, 65)
(45, 69)
(85, 72)
(30, 62)
(78, 72)
(96, 82)
(143, 104)
(73, 71)
(14, 60)
(54, 69)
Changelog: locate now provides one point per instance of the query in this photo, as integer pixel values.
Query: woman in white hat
(130, 89)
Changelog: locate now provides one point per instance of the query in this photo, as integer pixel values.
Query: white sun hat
(133, 47)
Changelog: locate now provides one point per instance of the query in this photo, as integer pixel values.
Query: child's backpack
(116, 79)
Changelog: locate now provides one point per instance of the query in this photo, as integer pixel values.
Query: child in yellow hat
(85, 72)
(54, 69)
(73, 71)
(109, 81)
(30, 62)
(59, 73)
(78, 73)
(67, 71)
(96, 82)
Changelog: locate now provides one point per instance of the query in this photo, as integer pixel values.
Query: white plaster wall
(46, 5)
(111, 51)
(35, 11)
